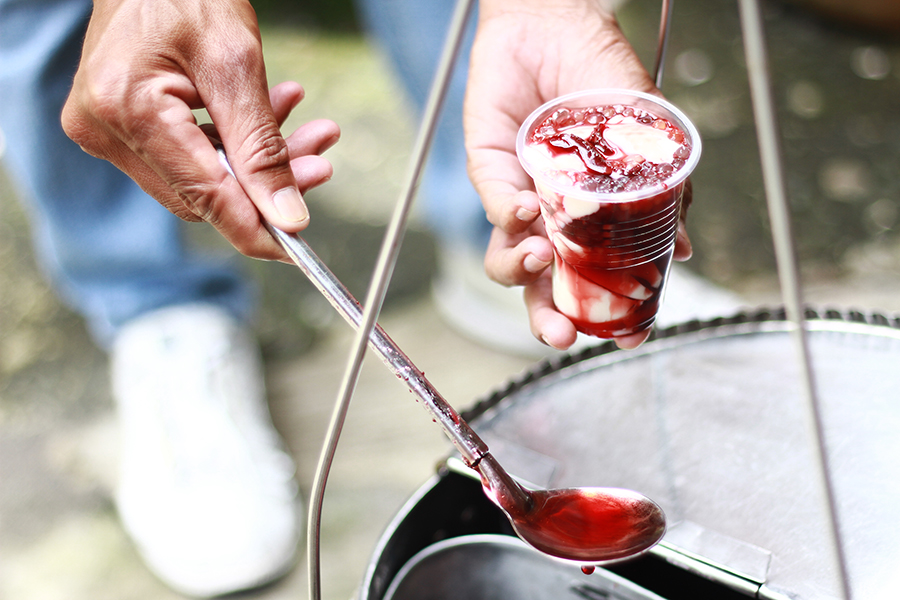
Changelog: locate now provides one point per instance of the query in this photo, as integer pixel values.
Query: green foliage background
(336, 15)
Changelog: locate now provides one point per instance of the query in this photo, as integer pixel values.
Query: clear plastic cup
(613, 247)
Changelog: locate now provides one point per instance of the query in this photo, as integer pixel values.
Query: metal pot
(709, 420)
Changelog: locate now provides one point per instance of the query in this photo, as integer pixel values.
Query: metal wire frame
(387, 258)
(785, 254)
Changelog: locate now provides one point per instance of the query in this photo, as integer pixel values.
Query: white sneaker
(206, 489)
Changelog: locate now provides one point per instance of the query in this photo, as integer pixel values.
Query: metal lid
(709, 419)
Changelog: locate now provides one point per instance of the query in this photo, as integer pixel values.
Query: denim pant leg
(413, 32)
(111, 251)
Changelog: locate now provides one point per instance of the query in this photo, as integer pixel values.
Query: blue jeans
(412, 32)
(111, 252)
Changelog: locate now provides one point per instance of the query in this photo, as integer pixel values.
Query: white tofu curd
(633, 138)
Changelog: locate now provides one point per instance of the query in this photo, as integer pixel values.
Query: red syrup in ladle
(590, 524)
(585, 525)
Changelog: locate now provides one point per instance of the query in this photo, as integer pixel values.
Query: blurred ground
(837, 90)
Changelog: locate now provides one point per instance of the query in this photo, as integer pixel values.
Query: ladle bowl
(591, 525)
(587, 525)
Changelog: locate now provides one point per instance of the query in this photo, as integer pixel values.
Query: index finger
(505, 189)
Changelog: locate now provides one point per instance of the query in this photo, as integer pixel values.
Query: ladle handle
(470, 446)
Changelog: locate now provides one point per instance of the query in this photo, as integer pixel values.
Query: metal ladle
(587, 525)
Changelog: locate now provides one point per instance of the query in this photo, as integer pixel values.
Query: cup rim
(676, 179)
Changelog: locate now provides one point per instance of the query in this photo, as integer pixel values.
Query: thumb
(250, 133)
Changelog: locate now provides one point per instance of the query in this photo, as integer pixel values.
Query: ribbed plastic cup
(613, 249)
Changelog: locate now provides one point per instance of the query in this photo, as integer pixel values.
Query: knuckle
(76, 125)
(241, 53)
(184, 212)
(102, 104)
(83, 116)
(200, 201)
(266, 149)
(244, 52)
(103, 94)
(493, 271)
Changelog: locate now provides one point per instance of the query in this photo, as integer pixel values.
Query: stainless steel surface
(771, 159)
(712, 425)
(730, 562)
(708, 418)
(496, 566)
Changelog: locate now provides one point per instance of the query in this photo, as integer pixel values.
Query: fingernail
(329, 143)
(533, 264)
(523, 214)
(547, 342)
(290, 205)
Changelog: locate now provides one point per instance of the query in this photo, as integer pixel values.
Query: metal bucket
(709, 420)
(500, 566)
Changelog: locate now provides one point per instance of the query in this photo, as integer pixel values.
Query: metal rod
(380, 278)
(665, 24)
(470, 446)
(788, 271)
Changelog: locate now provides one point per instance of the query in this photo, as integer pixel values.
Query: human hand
(146, 65)
(526, 53)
